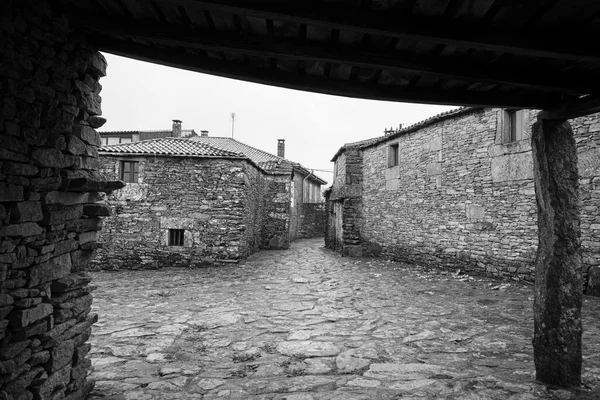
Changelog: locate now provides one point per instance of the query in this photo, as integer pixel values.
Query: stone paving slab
(307, 324)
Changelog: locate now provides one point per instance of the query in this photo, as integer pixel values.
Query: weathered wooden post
(558, 284)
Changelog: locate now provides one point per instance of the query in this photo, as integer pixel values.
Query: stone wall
(458, 196)
(461, 197)
(275, 232)
(587, 136)
(48, 189)
(215, 201)
(312, 220)
(345, 215)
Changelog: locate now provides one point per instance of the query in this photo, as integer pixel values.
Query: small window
(393, 155)
(513, 128)
(130, 171)
(176, 237)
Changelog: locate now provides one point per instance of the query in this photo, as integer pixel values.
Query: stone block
(21, 230)
(56, 268)
(593, 281)
(11, 168)
(11, 349)
(61, 355)
(100, 210)
(96, 121)
(22, 318)
(40, 357)
(56, 381)
(23, 381)
(475, 211)
(26, 211)
(6, 299)
(87, 134)
(14, 144)
(70, 282)
(97, 65)
(51, 158)
(512, 167)
(9, 192)
(68, 198)
(434, 168)
(75, 145)
(12, 156)
(62, 215)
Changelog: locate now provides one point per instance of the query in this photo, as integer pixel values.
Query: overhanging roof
(525, 54)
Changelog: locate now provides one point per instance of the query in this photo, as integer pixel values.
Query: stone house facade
(187, 203)
(457, 189)
(306, 216)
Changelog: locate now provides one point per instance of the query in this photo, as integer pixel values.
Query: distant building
(110, 138)
(203, 200)
(306, 207)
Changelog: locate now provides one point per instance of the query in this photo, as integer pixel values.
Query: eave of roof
(363, 144)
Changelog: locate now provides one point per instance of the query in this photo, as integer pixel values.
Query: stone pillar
(49, 109)
(558, 283)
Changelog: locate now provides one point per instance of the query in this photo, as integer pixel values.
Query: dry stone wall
(311, 221)
(275, 231)
(215, 201)
(49, 218)
(461, 197)
(456, 197)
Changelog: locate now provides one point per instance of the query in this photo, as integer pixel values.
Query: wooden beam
(387, 23)
(345, 88)
(300, 50)
(572, 109)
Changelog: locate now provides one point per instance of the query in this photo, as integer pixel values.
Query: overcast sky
(138, 95)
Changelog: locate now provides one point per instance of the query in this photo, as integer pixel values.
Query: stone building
(109, 138)
(202, 200)
(307, 212)
(457, 189)
(190, 203)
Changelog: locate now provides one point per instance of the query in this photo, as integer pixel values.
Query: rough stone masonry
(49, 108)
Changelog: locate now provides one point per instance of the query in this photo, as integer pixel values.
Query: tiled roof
(266, 161)
(170, 147)
(411, 128)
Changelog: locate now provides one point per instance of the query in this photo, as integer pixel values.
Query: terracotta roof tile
(170, 147)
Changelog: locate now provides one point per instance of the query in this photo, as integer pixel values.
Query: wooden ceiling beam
(322, 85)
(572, 109)
(300, 50)
(387, 23)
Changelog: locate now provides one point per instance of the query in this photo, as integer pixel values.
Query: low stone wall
(311, 220)
(48, 189)
(212, 200)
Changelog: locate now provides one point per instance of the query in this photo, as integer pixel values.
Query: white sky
(138, 95)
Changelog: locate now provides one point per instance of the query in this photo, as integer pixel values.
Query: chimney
(281, 148)
(204, 133)
(176, 128)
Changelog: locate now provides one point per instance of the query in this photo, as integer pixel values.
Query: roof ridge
(245, 144)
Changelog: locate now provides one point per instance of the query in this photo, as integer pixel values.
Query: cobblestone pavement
(307, 324)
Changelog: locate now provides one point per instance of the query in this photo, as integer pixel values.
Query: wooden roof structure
(504, 53)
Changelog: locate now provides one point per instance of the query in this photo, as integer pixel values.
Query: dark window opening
(176, 237)
(130, 171)
(393, 155)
